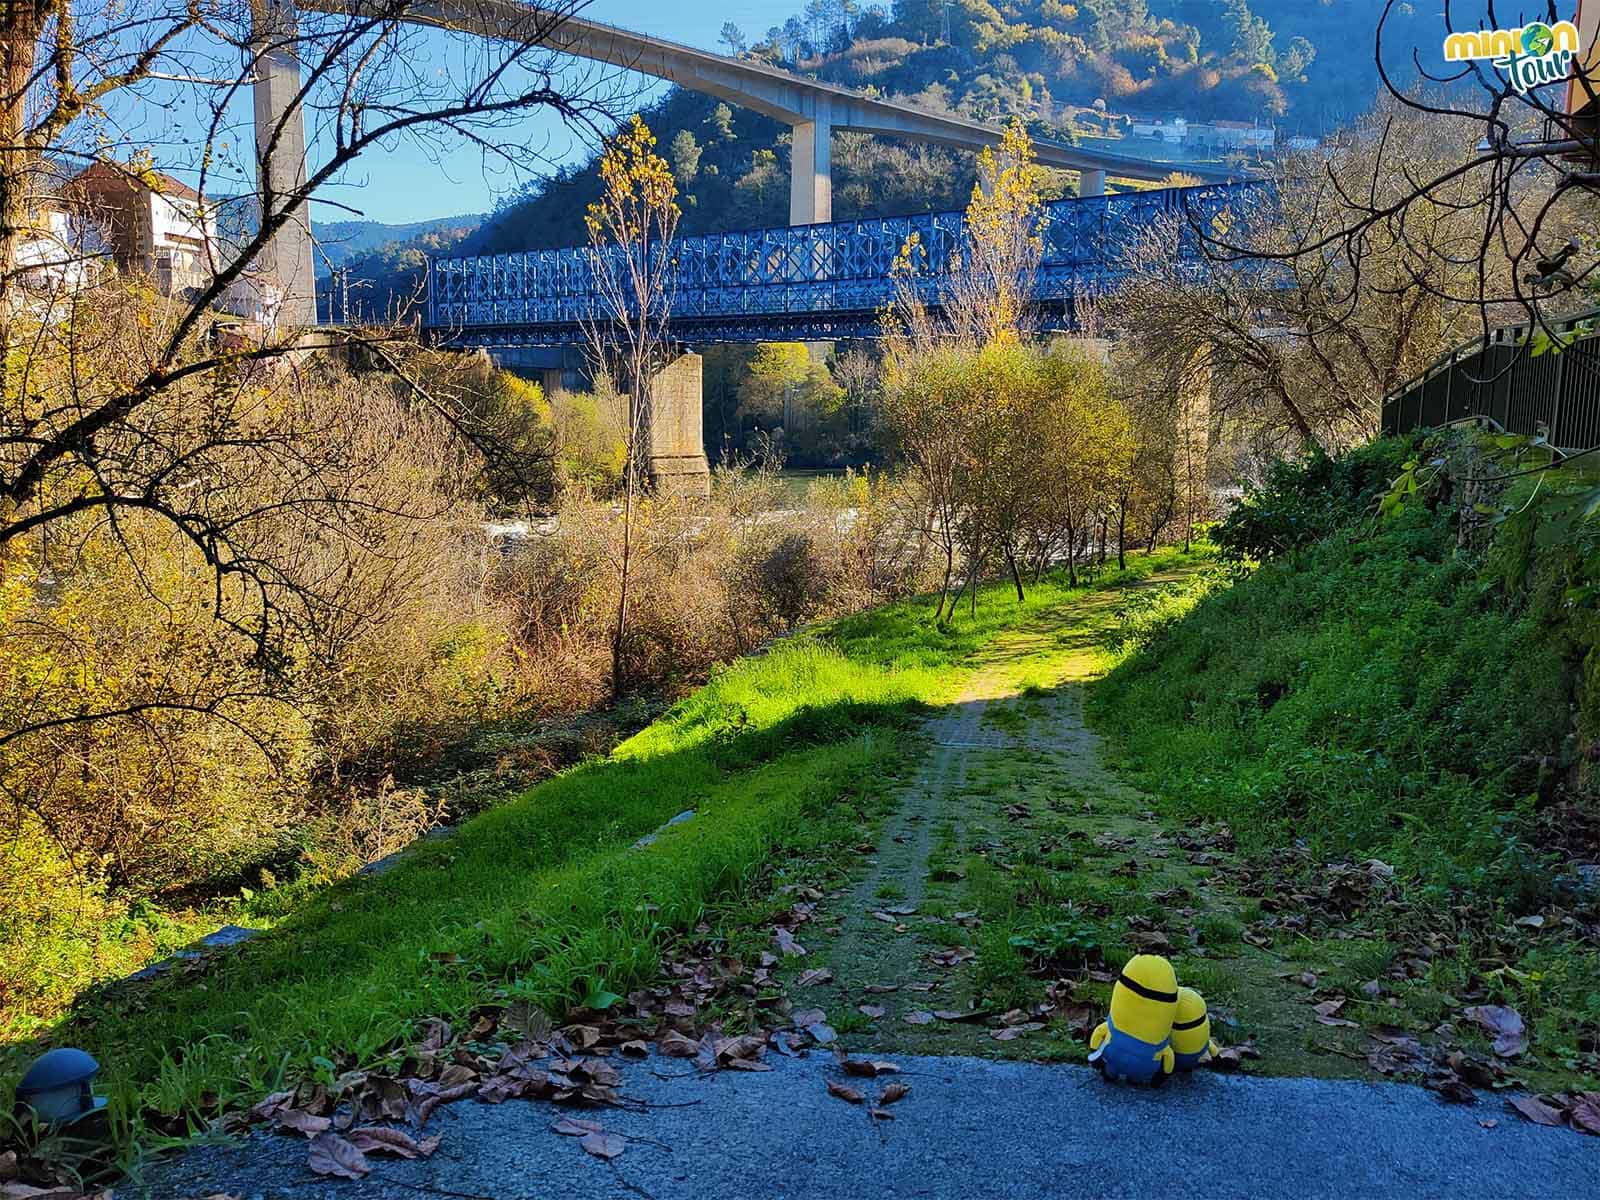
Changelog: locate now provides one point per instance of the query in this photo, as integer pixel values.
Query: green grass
(1379, 691)
(544, 899)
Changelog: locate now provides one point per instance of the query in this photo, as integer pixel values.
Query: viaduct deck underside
(811, 283)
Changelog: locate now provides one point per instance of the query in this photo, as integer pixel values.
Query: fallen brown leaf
(574, 1127)
(786, 943)
(456, 1074)
(814, 977)
(375, 1139)
(1012, 1032)
(867, 1068)
(676, 1045)
(333, 1155)
(448, 1096)
(269, 1106)
(873, 1011)
(894, 1091)
(1454, 1089)
(952, 1014)
(1535, 1109)
(845, 1092)
(1503, 1024)
(1585, 1113)
(302, 1122)
(918, 1017)
(604, 1145)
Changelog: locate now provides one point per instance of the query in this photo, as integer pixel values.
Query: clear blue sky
(405, 186)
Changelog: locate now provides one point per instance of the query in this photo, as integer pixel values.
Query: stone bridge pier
(674, 432)
(675, 435)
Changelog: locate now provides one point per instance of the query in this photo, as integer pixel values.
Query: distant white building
(1231, 136)
(1158, 129)
(1302, 143)
(51, 255)
(153, 225)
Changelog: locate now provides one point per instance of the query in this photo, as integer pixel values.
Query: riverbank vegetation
(1397, 684)
(785, 759)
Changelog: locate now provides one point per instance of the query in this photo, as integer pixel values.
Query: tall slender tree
(631, 231)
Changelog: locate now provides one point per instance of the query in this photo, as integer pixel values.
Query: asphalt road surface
(969, 1128)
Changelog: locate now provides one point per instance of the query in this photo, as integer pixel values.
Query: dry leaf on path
(676, 1045)
(573, 1127)
(867, 1068)
(302, 1122)
(845, 1092)
(333, 1155)
(374, 1139)
(873, 1011)
(1535, 1110)
(919, 1017)
(814, 977)
(604, 1145)
(1585, 1113)
(269, 1106)
(448, 1096)
(895, 1091)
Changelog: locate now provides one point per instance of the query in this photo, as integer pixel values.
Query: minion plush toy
(1191, 1030)
(1134, 1042)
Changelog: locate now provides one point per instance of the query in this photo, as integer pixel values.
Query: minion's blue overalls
(1126, 1057)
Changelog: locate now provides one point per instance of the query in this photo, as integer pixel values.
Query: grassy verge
(1386, 722)
(545, 899)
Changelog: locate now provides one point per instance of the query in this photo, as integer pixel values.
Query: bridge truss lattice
(806, 283)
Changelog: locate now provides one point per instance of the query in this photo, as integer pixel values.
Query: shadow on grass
(545, 899)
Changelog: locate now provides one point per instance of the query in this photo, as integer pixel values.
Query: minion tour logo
(1531, 56)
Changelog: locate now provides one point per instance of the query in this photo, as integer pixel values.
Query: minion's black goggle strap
(1194, 1024)
(1139, 989)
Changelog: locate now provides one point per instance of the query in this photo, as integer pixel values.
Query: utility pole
(945, 15)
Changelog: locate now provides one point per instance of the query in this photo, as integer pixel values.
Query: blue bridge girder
(806, 283)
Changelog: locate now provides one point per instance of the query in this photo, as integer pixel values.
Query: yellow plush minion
(1134, 1042)
(1191, 1030)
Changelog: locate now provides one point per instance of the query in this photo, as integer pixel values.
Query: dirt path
(1016, 727)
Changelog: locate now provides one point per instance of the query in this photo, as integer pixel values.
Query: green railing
(1500, 378)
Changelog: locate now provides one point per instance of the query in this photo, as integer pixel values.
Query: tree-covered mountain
(1073, 69)
(341, 242)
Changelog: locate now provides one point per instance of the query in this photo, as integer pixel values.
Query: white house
(1231, 136)
(154, 225)
(1160, 130)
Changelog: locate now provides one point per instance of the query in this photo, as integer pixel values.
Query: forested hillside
(1073, 70)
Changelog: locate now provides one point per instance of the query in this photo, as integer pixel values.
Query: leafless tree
(1465, 200)
(160, 433)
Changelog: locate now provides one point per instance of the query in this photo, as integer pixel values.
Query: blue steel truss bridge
(807, 283)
